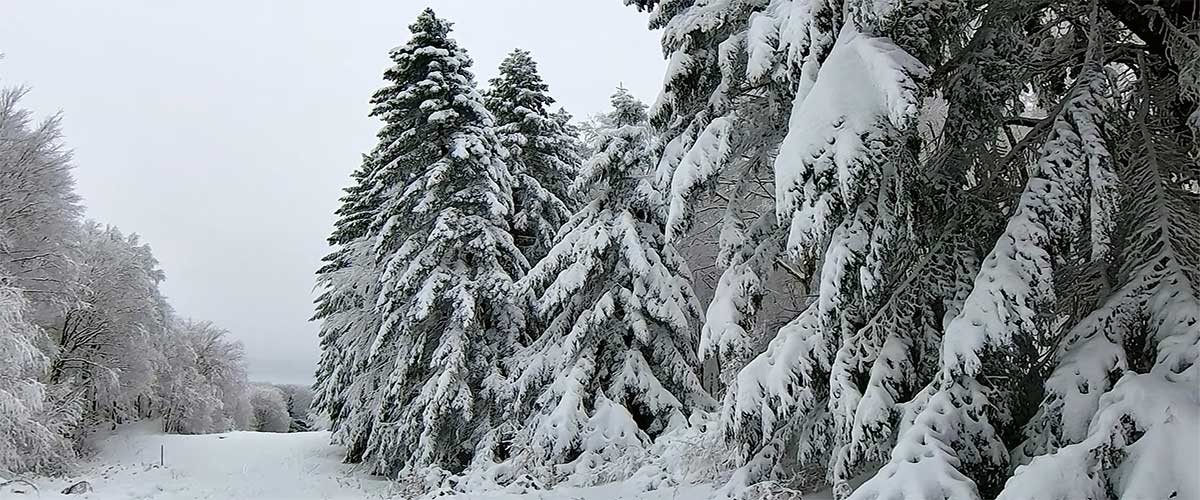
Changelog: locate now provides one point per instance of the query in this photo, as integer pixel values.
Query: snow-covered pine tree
(544, 154)
(448, 262)
(958, 171)
(616, 366)
(734, 68)
(345, 388)
(955, 445)
(844, 191)
(1133, 364)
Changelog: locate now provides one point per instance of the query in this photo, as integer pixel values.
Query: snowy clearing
(259, 466)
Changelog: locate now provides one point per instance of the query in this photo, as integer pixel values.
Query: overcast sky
(223, 131)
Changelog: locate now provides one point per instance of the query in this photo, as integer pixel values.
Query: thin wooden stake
(161, 448)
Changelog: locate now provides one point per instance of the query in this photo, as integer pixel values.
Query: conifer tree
(345, 388)
(1134, 361)
(963, 231)
(544, 154)
(446, 258)
(733, 70)
(616, 365)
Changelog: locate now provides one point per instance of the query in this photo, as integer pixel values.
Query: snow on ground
(215, 466)
(259, 466)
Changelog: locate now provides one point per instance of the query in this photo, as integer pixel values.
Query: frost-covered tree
(446, 259)
(299, 401)
(89, 335)
(104, 343)
(39, 223)
(39, 210)
(34, 432)
(616, 365)
(186, 402)
(270, 409)
(543, 152)
(200, 379)
(221, 362)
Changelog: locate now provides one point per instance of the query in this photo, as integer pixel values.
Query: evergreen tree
(544, 154)
(956, 433)
(841, 181)
(446, 259)
(1133, 361)
(616, 365)
(734, 69)
(345, 387)
(967, 238)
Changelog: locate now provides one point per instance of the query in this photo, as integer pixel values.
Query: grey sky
(223, 131)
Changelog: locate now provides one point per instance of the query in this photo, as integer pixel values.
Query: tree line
(87, 338)
(947, 248)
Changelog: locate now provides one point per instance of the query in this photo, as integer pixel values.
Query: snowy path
(236, 465)
(258, 466)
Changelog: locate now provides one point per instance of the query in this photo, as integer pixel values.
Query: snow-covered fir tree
(446, 262)
(616, 365)
(721, 116)
(345, 390)
(1132, 362)
(544, 153)
(954, 194)
(840, 180)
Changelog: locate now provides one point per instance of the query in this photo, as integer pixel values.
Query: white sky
(223, 131)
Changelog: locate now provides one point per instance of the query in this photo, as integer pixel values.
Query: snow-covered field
(257, 466)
